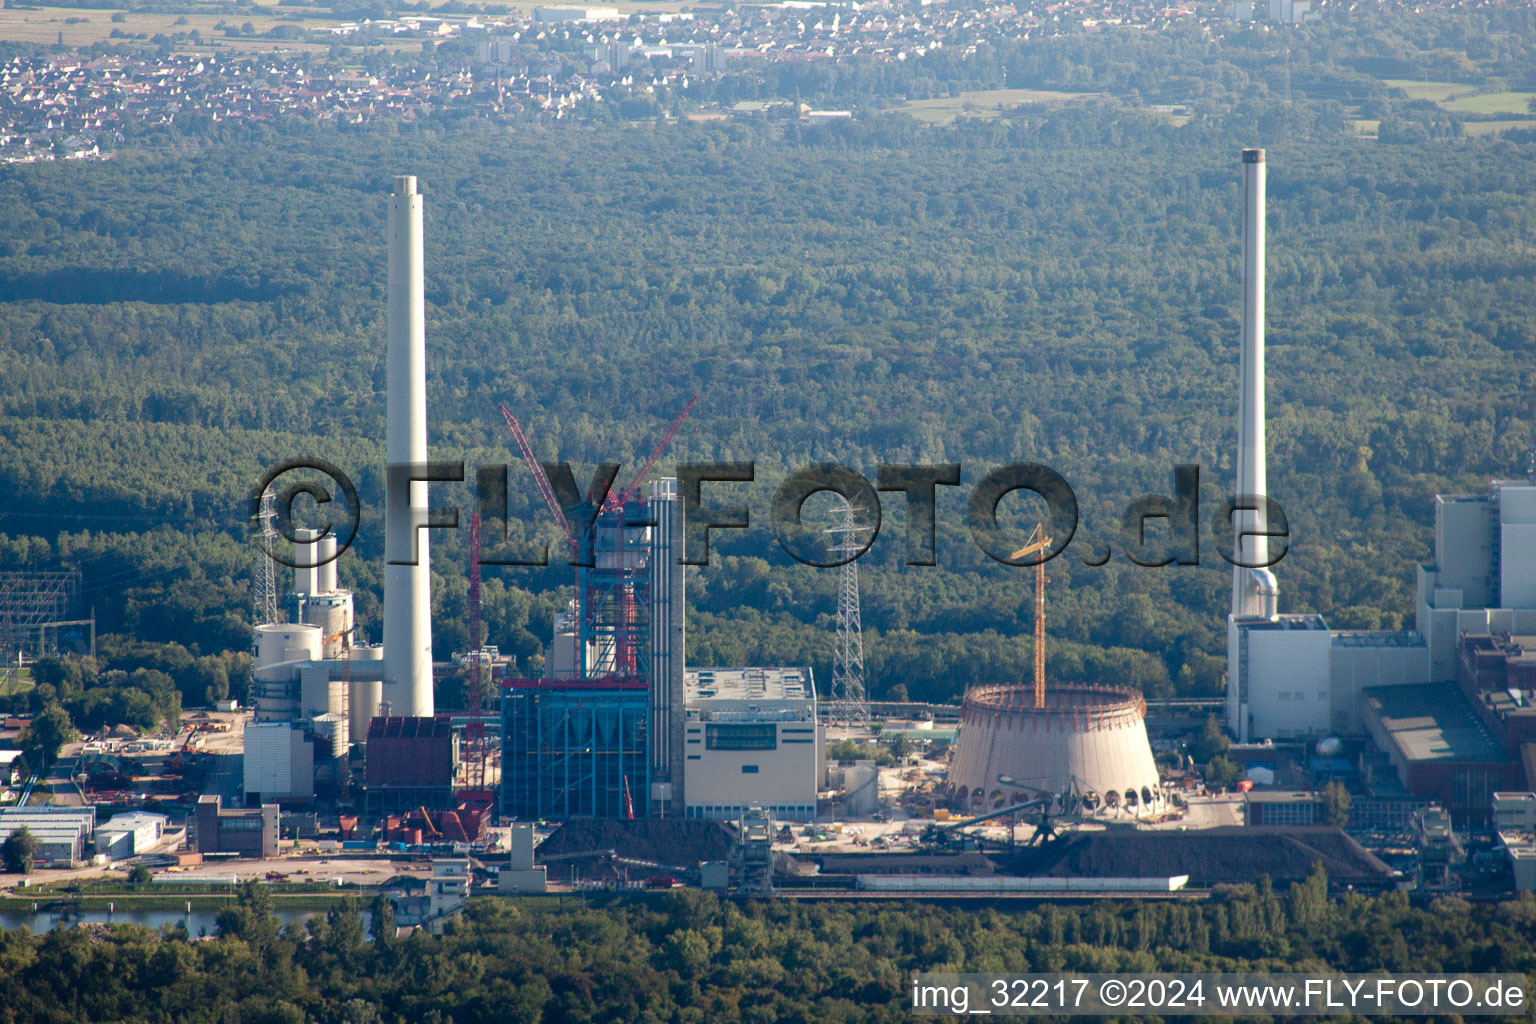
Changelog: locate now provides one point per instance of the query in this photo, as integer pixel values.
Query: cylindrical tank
(363, 706)
(331, 734)
(275, 682)
(332, 614)
(278, 642)
(861, 789)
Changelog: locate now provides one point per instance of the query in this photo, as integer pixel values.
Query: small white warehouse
(129, 835)
(750, 737)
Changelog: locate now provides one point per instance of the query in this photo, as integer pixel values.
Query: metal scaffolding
(614, 625)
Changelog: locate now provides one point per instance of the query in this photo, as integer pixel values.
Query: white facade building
(751, 737)
(1483, 579)
(1290, 676)
(129, 835)
(279, 762)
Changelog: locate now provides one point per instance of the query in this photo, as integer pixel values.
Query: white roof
(7, 756)
(130, 820)
(767, 684)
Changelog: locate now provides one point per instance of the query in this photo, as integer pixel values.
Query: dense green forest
(689, 957)
(1059, 285)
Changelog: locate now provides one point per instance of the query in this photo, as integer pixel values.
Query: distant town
(548, 64)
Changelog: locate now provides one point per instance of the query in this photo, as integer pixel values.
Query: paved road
(224, 778)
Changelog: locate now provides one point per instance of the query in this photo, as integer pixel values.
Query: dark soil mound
(675, 842)
(1208, 856)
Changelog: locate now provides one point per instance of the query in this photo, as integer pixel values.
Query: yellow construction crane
(1038, 541)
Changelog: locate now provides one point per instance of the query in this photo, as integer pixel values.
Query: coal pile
(679, 843)
(1208, 856)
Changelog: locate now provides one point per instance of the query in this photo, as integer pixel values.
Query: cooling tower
(1091, 740)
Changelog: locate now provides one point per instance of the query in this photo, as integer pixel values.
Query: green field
(1494, 127)
(1492, 103)
(983, 103)
(1440, 92)
(1460, 98)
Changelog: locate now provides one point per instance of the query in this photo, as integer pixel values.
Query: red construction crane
(539, 479)
(633, 490)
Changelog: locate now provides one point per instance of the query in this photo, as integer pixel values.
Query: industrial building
(1483, 580)
(1458, 741)
(316, 689)
(599, 735)
(64, 834)
(1290, 676)
(310, 684)
(576, 748)
(1514, 822)
(279, 763)
(1282, 807)
(244, 832)
(410, 763)
(1440, 747)
(752, 738)
(130, 834)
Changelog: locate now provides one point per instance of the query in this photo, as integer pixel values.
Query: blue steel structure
(614, 625)
(575, 748)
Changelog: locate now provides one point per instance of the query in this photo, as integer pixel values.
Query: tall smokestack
(1253, 590)
(407, 588)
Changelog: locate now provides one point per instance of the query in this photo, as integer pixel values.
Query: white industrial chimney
(1253, 590)
(407, 588)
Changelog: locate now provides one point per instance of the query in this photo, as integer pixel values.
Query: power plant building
(569, 739)
(310, 682)
(575, 748)
(1288, 675)
(410, 762)
(246, 833)
(751, 737)
(316, 689)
